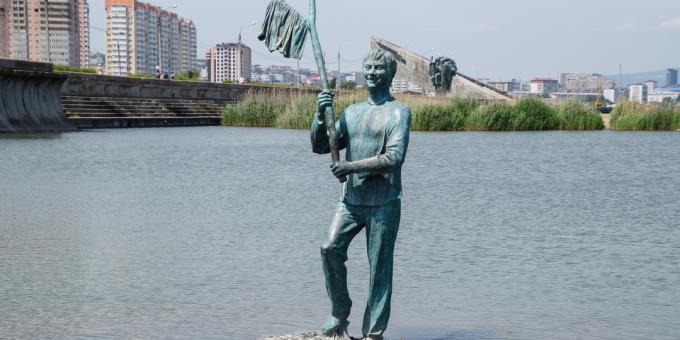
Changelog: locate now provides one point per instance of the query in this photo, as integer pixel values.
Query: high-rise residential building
(142, 38)
(637, 93)
(4, 30)
(84, 32)
(229, 62)
(53, 31)
(671, 77)
(187, 45)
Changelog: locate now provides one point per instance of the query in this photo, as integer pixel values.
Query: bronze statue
(375, 135)
(442, 71)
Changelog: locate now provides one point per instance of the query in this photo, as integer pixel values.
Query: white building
(610, 95)
(660, 94)
(401, 86)
(637, 93)
(230, 62)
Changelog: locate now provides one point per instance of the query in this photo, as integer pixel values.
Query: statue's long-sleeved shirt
(375, 138)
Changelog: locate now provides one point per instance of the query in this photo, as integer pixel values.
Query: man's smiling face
(376, 73)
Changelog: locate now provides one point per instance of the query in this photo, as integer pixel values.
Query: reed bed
(294, 111)
(575, 115)
(629, 116)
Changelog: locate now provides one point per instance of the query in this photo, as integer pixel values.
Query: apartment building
(142, 37)
(585, 82)
(4, 32)
(84, 32)
(54, 31)
(229, 62)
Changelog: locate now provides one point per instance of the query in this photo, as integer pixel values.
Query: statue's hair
(385, 56)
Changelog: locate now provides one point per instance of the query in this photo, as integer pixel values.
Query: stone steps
(124, 112)
(75, 106)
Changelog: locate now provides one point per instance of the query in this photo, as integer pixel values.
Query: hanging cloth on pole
(284, 30)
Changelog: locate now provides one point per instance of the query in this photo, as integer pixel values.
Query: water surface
(213, 233)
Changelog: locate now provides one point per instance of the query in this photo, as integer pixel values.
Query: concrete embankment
(34, 98)
(606, 119)
(30, 98)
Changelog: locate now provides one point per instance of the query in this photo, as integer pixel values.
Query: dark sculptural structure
(375, 135)
(442, 71)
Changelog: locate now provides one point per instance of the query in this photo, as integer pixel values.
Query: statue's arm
(395, 148)
(319, 136)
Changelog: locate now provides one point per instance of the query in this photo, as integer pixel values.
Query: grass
(294, 111)
(629, 116)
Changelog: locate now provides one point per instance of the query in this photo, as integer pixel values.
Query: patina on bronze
(375, 135)
(442, 71)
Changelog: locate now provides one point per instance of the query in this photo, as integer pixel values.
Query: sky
(496, 39)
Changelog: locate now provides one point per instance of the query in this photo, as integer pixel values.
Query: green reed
(636, 117)
(295, 110)
(575, 115)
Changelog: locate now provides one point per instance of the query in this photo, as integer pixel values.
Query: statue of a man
(375, 135)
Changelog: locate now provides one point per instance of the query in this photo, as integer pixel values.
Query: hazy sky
(499, 39)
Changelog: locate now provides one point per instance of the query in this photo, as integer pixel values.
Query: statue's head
(380, 66)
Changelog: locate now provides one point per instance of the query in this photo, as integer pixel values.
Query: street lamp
(337, 76)
(239, 73)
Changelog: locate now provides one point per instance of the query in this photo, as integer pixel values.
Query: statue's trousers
(381, 224)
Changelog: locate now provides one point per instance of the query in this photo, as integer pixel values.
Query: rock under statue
(375, 135)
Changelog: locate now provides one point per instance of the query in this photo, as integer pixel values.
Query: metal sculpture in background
(442, 71)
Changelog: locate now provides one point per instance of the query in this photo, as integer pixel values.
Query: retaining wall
(30, 98)
(91, 85)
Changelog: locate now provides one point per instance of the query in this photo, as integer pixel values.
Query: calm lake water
(213, 233)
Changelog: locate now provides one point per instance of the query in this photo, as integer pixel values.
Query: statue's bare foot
(335, 328)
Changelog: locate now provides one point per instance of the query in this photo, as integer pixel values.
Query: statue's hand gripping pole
(329, 117)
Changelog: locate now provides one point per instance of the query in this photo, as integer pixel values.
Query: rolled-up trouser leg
(344, 227)
(381, 234)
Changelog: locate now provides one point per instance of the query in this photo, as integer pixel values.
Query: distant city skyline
(495, 39)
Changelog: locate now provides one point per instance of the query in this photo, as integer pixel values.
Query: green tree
(677, 100)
